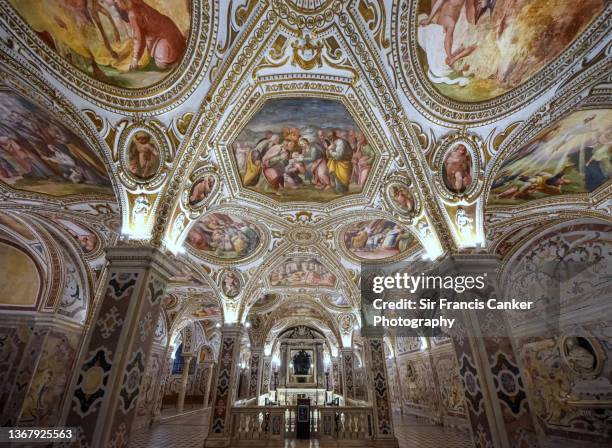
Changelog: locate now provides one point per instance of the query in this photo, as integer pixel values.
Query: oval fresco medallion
(230, 283)
(458, 169)
(376, 239)
(124, 43)
(201, 190)
(225, 237)
(476, 50)
(143, 157)
(401, 198)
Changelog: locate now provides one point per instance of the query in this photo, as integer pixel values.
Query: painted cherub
(144, 155)
(458, 167)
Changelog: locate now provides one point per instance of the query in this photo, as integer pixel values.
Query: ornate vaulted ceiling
(273, 146)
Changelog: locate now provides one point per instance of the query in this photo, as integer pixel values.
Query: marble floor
(182, 432)
(189, 432)
(413, 433)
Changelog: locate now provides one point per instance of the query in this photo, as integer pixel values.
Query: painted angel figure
(443, 34)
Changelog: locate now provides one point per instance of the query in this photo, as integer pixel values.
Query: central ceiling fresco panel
(303, 149)
(125, 43)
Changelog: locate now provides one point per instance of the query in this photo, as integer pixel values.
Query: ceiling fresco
(376, 239)
(572, 156)
(265, 301)
(207, 311)
(303, 149)
(40, 154)
(272, 147)
(474, 50)
(224, 236)
(302, 271)
(125, 43)
(13, 224)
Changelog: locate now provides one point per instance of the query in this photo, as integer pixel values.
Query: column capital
(127, 256)
(233, 329)
(375, 333)
(469, 262)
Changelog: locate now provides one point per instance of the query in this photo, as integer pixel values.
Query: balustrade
(341, 425)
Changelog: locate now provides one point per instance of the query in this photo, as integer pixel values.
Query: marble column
(160, 388)
(347, 362)
(266, 375)
(219, 431)
(116, 349)
(209, 367)
(398, 384)
(180, 405)
(495, 393)
(145, 410)
(255, 373)
(378, 382)
(282, 369)
(337, 376)
(320, 366)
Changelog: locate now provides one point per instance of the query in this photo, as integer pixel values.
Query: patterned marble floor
(189, 432)
(413, 433)
(182, 432)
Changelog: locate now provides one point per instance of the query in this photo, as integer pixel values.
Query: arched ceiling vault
(446, 152)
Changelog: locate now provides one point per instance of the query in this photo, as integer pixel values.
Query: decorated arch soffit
(66, 273)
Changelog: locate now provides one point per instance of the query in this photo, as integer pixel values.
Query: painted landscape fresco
(224, 236)
(125, 43)
(572, 156)
(39, 154)
(376, 239)
(303, 149)
(474, 50)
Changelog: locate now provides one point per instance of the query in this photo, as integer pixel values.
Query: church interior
(193, 190)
